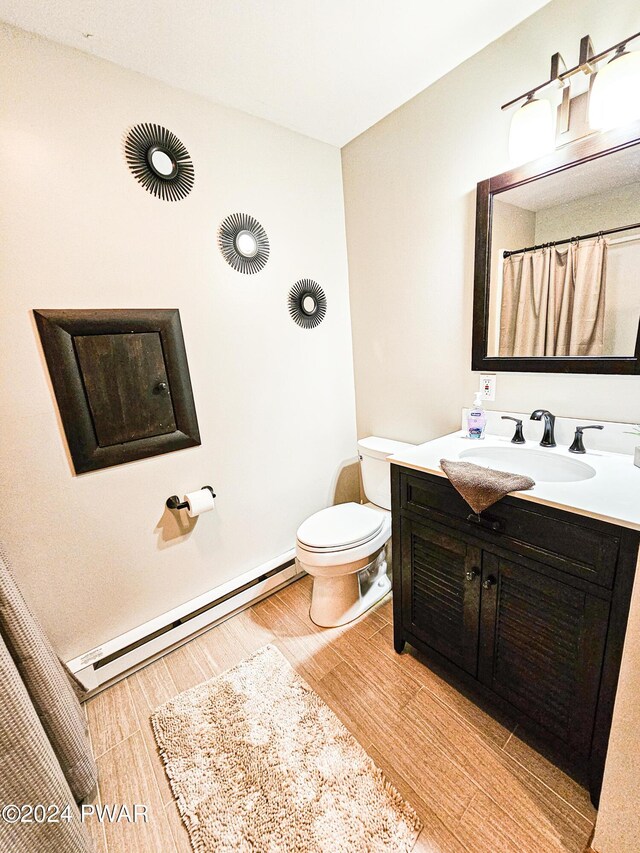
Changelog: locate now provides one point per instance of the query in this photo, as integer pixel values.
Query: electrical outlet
(488, 386)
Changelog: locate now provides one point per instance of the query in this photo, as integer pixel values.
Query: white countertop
(612, 495)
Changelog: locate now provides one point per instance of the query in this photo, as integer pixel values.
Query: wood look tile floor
(477, 785)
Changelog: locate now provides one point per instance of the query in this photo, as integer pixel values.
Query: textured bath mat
(259, 763)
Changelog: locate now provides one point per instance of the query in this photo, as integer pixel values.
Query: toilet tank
(376, 474)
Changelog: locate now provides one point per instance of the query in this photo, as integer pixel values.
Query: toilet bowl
(343, 547)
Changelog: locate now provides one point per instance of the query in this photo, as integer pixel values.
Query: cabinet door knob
(472, 573)
(489, 582)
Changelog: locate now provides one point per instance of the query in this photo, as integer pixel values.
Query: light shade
(532, 132)
(615, 94)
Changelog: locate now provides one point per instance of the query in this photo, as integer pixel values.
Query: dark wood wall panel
(127, 387)
(122, 383)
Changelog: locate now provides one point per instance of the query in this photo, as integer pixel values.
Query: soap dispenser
(477, 418)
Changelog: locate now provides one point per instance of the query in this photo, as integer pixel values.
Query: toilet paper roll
(199, 502)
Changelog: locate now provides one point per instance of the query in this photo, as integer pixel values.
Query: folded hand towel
(481, 487)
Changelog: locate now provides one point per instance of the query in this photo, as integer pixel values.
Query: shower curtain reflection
(553, 301)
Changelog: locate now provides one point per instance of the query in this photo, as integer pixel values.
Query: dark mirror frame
(573, 154)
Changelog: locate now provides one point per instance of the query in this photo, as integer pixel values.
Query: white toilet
(343, 547)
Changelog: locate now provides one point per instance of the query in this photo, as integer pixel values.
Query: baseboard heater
(112, 660)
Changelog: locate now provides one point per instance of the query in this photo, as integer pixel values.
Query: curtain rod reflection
(507, 253)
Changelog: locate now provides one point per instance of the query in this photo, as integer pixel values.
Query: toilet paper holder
(174, 501)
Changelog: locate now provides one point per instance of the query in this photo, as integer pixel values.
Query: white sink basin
(540, 465)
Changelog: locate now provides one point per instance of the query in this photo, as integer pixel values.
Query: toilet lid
(340, 526)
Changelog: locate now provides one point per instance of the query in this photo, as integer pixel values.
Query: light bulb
(615, 94)
(531, 133)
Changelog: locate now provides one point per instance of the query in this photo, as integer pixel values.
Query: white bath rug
(258, 762)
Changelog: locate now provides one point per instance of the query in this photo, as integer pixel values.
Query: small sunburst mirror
(307, 303)
(159, 161)
(244, 243)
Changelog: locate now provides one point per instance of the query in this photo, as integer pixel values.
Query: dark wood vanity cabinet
(528, 605)
(443, 607)
(542, 646)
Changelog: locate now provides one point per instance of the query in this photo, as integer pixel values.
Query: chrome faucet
(548, 438)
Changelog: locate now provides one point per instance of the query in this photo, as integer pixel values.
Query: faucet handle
(578, 444)
(518, 437)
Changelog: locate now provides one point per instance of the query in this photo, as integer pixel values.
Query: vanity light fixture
(615, 93)
(614, 98)
(532, 131)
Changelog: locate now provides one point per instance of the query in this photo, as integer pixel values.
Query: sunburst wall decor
(307, 303)
(159, 161)
(243, 243)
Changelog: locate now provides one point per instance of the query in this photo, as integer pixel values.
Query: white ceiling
(588, 179)
(327, 68)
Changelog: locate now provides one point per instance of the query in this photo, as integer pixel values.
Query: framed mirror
(307, 303)
(557, 261)
(159, 161)
(244, 243)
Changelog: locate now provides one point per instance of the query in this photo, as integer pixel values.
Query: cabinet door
(441, 592)
(126, 385)
(541, 647)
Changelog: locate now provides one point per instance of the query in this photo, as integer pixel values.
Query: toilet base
(340, 599)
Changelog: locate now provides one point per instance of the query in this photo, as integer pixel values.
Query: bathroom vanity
(528, 602)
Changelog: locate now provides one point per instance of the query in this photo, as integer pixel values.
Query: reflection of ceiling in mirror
(596, 176)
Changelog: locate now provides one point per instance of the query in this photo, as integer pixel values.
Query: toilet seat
(339, 561)
(344, 547)
(339, 528)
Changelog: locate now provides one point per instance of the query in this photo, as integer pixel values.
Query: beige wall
(618, 824)
(410, 208)
(409, 186)
(98, 554)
